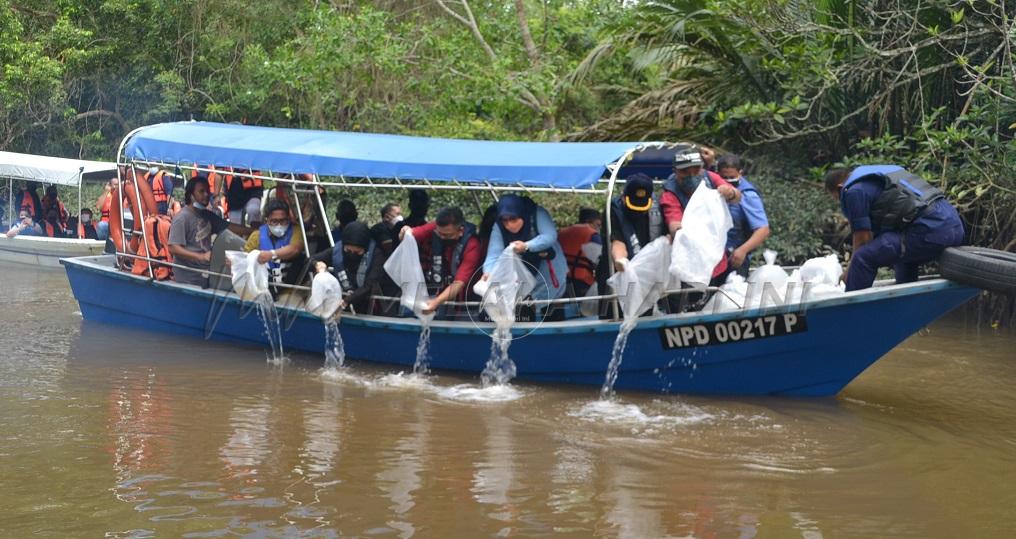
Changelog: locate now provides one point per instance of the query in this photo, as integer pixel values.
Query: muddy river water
(119, 433)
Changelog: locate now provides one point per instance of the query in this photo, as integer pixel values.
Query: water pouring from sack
(250, 282)
(639, 287)
(696, 249)
(508, 282)
(324, 302)
(403, 266)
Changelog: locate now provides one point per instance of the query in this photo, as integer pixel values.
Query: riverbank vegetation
(795, 86)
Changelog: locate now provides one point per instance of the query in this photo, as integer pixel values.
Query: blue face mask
(690, 183)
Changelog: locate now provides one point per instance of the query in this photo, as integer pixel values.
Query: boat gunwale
(878, 293)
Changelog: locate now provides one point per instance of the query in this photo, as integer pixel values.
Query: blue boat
(809, 348)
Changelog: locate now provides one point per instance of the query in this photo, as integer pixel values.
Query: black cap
(356, 233)
(638, 192)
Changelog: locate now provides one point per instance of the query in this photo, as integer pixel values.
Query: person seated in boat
(190, 234)
(52, 227)
(449, 255)
(361, 271)
(678, 189)
(52, 199)
(243, 197)
(281, 246)
(25, 226)
(383, 233)
(83, 227)
(103, 204)
(751, 225)
(419, 205)
(897, 219)
(345, 213)
(28, 199)
(582, 246)
(530, 231)
(483, 232)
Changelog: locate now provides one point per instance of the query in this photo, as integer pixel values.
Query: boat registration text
(730, 331)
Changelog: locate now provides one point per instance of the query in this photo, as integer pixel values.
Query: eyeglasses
(276, 222)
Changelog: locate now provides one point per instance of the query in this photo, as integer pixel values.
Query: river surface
(108, 432)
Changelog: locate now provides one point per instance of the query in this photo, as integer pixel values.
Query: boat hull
(46, 252)
(831, 341)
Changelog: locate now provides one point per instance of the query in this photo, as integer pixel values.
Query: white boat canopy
(45, 169)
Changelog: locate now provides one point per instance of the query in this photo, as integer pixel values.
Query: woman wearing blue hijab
(531, 232)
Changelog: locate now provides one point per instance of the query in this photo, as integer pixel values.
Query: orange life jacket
(81, 231)
(47, 202)
(155, 246)
(104, 211)
(158, 186)
(52, 232)
(247, 183)
(572, 239)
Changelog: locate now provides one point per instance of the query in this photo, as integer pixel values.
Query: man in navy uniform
(897, 220)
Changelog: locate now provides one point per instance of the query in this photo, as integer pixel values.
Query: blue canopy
(562, 165)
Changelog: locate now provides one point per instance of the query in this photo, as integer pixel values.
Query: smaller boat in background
(45, 251)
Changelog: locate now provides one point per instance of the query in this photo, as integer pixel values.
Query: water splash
(500, 368)
(607, 391)
(273, 326)
(335, 349)
(422, 364)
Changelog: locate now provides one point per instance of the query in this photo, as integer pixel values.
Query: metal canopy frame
(604, 186)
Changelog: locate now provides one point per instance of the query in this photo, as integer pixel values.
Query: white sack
(325, 295)
(509, 282)
(403, 266)
(590, 307)
(822, 270)
(769, 273)
(250, 279)
(731, 297)
(701, 242)
(642, 283)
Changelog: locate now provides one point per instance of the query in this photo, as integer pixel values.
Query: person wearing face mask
(532, 234)
(679, 188)
(751, 225)
(25, 226)
(361, 271)
(280, 243)
(384, 233)
(190, 234)
(85, 227)
(449, 255)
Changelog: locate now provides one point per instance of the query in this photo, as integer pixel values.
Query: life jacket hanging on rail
(155, 246)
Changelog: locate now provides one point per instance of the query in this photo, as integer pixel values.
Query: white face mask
(395, 220)
(85, 219)
(199, 205)
(278, 230)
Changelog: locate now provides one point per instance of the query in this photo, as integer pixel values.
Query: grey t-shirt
(192, 229)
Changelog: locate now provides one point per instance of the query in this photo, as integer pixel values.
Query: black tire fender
(988, 269)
